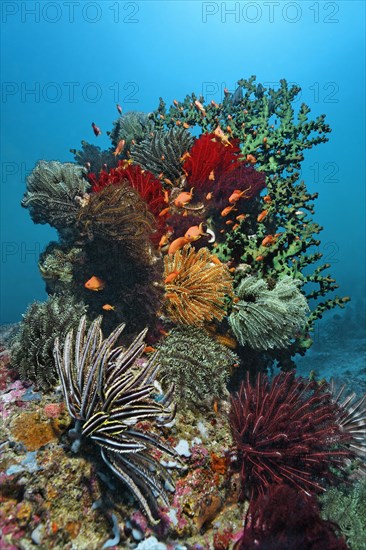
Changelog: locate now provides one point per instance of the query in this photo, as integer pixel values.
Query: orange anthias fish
(170, 278)
(177, 244)
(262, 215)
(200, 107)
(236, 195)
(251, 159)
(95, 283)
(183, 198)
(268, 240)
(227, 210)
(149, 349)
(195, 232)
(222, 137)
(119, 147)
(108, 307)
(96, 130)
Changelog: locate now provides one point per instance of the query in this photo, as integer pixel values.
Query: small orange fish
(241, 217)
(164, 212)
(119, 108)
(259, 258)
(183, 198)
(177, 244)
(222, 137)
(214, 104)
(262, 215)
(236, 226)
(211, 176)
(267, 199)
(209, 196)
(200, 107)
(170, 278)
(214, 259)
(251, 159)
(236, 195)
(108, 307)
(185, 156)
(185, 125)
(164, 240)
(175, 102)
(227, 210)
(149, 349)
(229, 130)
(229, 222)
(178, 123)
(95, 283)
(119, 147)
(268, 240)
(96, 130)
(195, 232)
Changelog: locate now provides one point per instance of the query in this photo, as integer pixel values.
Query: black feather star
(107, 394)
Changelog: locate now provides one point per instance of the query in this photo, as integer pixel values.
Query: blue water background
(80, 58)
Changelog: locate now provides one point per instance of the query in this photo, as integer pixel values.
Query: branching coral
(265, 318)
(197, 364)
(264, 121)
(32, 348)
(117, 213)
(286, 431)
(163, 152)
(283, 519)
(54, 191)
(197, 292)
(107, 394)
(132, 126)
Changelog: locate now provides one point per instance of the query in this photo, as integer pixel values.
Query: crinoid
(117, 213)
(31, 350)
(284, 519)
(288, 432)
(351, 417)
(266, 318)
(198, 284)
(107, 394)
(163, 152)
(54, 193)
(198, 365)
